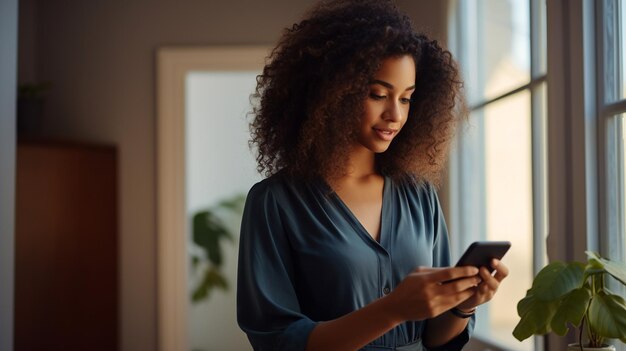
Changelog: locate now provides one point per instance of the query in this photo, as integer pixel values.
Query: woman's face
(386, 107)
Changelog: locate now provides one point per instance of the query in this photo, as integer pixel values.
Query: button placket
(385, 273)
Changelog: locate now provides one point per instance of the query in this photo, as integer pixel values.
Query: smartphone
(480, 253)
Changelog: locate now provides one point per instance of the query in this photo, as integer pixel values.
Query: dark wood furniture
(66, 279)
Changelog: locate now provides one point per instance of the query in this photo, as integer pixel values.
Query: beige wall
(100, 58)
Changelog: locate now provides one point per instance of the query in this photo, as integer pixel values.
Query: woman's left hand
(488, 287)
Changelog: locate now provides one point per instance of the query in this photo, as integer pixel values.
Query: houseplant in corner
(209, 229)
(575, 293)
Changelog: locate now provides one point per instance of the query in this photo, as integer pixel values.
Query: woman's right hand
(428, 292)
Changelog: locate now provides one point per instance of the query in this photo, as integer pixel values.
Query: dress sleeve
(441, 258)
(267, 306)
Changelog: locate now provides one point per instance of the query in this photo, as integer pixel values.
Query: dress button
(386, 291)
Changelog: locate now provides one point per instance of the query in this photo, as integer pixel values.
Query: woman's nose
(393, 112)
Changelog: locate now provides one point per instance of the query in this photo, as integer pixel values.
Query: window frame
(610, 105)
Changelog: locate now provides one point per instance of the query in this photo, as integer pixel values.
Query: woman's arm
(355, 329)
(443, 328)
(421, 295)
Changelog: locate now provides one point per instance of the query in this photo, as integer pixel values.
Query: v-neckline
(354, 220)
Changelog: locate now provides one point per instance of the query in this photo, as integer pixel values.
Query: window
(499, 178)
(498, 162)
(612, 111)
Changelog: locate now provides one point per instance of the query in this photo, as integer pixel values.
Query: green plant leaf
(607, 315)
(535, 317)
(591, 270)
(557, 279)
(616, 269)
(596, 264)
(207, 232)
(572, 308)
(212, 279)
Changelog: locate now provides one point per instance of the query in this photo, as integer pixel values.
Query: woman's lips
(385, 133)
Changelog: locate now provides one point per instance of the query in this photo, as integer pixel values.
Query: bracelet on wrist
(462, 314)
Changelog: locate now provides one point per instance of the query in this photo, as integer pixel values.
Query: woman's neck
(360, 168)
(361, 163)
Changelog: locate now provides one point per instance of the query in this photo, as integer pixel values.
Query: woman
(339, 244)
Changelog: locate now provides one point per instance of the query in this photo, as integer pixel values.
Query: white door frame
(173, 66)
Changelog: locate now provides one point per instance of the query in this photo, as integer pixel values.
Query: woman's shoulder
(277, 186)
(413, 184)
(418, 190)
(268, 186)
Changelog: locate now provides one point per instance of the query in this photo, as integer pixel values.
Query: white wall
(100, 58)
(8, 80)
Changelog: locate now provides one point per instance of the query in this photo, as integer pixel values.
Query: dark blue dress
(304, 258)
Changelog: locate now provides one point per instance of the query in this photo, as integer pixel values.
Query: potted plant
(575, 293)
(209, 230)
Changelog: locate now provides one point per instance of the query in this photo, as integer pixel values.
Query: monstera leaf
(607, 315)
(535, 316)
(572, 308)
(615, 269)
(564, 294)
(557, 279)
(553, 292)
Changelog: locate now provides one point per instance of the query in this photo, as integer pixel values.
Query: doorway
(203, 159)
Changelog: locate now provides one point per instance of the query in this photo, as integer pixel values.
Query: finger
(487, 294)
(422, 269)
(446, 302)
(452, 273)
(502, 271)
(465, 295)
(459, 285)
(488, 279)
(422, 272)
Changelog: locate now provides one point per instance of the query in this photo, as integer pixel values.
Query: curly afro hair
(309, 98)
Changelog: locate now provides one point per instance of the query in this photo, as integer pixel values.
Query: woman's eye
(377, 97)
(405, 100)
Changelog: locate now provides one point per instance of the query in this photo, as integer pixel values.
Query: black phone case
(480, 253)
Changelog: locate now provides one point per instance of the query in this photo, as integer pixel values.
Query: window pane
(622, 58)
(622, 209)
(612, 54)
(506, 128)
(622, 202)
(618, 172)
(616, 187)
(615, 247)
(540, 174)
(498, 46)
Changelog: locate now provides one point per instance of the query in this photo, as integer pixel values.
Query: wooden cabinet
(66, 276)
